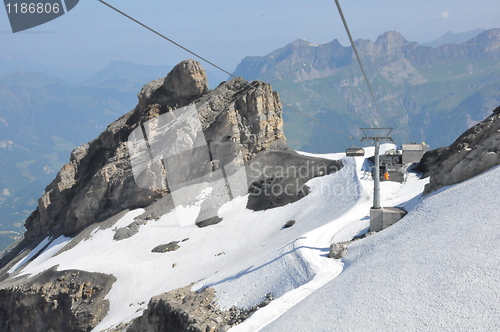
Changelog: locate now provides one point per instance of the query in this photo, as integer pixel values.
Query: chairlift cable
(218, 67)
(359, 61)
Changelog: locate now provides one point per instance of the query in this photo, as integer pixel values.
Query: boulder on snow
(338, 250)
(278, 177)
(475, 151)
(171, 246)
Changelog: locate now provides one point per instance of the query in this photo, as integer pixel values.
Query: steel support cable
(219, 68)
(359, 60)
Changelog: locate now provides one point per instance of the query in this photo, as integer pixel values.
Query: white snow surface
(32, 254)
(244, 257)
(435, 270)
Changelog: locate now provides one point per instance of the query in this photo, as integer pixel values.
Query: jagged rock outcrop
(418, 88)
(98, 181)
(98, 186)
(304, 60)
(278, 177)
(54, 301)
(183, 310)
(187, 80)
(475, 151)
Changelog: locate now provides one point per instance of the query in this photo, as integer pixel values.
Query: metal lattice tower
(377, 135)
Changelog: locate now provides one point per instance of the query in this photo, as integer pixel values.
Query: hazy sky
(92, 35)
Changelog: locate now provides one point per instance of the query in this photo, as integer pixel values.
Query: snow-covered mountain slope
(435, 270)
(244, 257)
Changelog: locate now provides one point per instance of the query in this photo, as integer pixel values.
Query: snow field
(246, 256)
(435, 270)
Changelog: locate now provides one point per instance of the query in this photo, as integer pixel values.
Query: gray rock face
(180, 310)
(186, 80)
(171, 246)
(98, 181)
(55, 301)
(338, 250)
(97, 185)
(475, 151)
(278, 176)
(183, 310)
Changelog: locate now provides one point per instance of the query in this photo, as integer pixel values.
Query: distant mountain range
(427, 94)
(125, 76)
(12, 62)
(43, 118)
(454, 38)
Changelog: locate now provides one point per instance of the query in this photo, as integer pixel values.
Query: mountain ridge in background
(454, 38)
(129, 76)
(125, 76)
(44, 114)
(109, 223)
(418, 88)
(42, 118)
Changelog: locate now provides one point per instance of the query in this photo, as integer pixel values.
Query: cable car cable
(359, 61)
(219, 68)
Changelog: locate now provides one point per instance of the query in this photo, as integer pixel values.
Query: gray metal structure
(379, 217)
(412, 153)
(385, 217)
(377, 135)
(355, 151)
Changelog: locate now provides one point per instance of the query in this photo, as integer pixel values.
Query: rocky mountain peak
(182, 146)
(185, 83)
(392, 36)
(453, 38)
(98, 181)
(489, 39)
(187, 80)
(391, 42)
(335, 43)
(299, 43)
